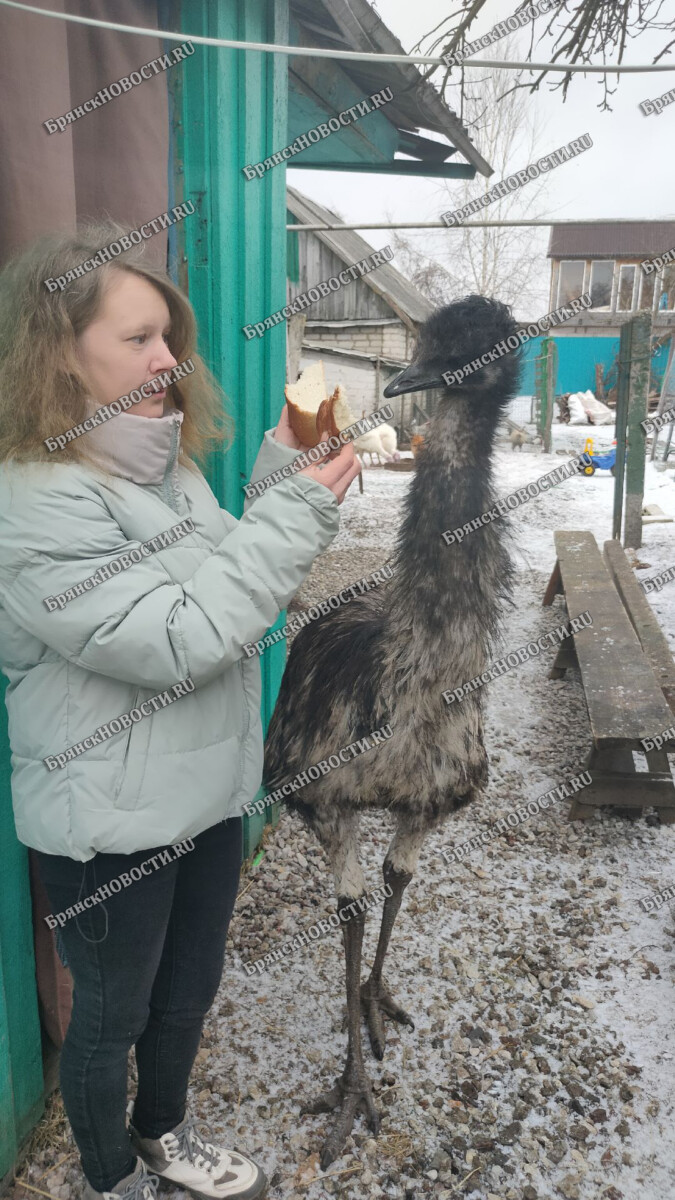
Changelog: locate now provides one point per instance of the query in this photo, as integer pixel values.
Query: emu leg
(352, 1090)
(376, 1001)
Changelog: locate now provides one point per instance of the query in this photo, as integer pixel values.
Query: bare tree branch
(503, 262)
(589, 30)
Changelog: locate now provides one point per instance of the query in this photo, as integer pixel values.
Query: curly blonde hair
(43, 391)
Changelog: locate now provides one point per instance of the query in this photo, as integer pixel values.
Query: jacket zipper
(169, 492)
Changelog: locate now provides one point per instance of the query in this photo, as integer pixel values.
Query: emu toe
(351, 1093)
(376, 1003)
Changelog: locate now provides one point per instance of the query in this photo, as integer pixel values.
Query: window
(602, 274)
(624, 299)
(647, 291)
(570, 281)
(667, 289)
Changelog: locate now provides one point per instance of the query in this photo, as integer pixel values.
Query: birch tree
(506, 262)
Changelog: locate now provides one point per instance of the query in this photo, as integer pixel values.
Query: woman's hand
(284, 433)
(337, 470)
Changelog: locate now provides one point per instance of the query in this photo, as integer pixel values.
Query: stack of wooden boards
(628, 676)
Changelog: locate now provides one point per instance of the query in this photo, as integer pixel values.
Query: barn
(364, 333)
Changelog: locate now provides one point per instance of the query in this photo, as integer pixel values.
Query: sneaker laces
(143, 1187)
(192, 1147)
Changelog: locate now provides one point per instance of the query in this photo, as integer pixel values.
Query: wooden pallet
(625, 702)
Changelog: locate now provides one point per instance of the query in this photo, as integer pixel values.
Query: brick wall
(389, 341)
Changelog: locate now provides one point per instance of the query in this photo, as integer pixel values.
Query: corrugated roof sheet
(620, 240)
(354, 25)
(402, 296)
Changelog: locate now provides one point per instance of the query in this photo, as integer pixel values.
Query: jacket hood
(138, 448)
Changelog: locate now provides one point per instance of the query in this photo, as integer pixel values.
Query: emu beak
(415, 378)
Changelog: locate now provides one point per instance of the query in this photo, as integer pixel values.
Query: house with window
(605, 261)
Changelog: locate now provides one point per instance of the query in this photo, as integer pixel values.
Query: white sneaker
(209, 1172)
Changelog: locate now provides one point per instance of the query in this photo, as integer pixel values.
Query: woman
(133, 709)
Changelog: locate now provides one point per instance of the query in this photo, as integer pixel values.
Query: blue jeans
(146, 965)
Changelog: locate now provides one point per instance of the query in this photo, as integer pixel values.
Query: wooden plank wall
(355, 302)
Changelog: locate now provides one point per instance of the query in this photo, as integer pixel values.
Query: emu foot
(376, 1003)
(351, 1093)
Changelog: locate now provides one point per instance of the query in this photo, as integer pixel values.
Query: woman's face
(125, 345)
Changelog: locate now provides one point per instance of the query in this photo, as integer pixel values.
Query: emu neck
(444, 601)
(452, 483)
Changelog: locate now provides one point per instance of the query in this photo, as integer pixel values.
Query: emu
(386, 658)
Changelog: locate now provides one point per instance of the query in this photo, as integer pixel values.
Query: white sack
(578, 414)
(598, 413)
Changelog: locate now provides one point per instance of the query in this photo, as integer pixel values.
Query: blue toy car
(606, 462)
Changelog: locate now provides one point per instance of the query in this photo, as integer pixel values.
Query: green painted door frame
(230, 108)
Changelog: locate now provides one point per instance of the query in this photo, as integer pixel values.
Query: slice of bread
(303, 400)
(335, 414)
(311, 412)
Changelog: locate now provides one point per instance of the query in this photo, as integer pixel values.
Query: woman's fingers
(336, 473)
(347, 478)
(344, 464)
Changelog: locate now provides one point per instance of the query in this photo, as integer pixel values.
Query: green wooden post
(622, 380)
(21, 1082)
(549, 384)
(545, 376)
(230, 108)
(638, 393)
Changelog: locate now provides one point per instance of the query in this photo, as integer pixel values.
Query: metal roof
(402, 296)
(354, 25)
(625, 239)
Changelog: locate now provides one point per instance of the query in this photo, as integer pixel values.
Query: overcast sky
(628, 172)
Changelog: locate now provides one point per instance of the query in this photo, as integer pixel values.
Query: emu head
(454, 337)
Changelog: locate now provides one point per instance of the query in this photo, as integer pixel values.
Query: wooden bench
(624, 698)
(641, 614)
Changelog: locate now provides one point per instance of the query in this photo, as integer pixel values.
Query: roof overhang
(320, 88)
(620, 238)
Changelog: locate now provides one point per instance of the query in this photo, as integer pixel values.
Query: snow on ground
(542, 1062)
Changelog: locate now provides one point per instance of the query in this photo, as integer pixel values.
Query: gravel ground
(541, 1064)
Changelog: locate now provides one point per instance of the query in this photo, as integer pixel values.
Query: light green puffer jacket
(185, 611)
